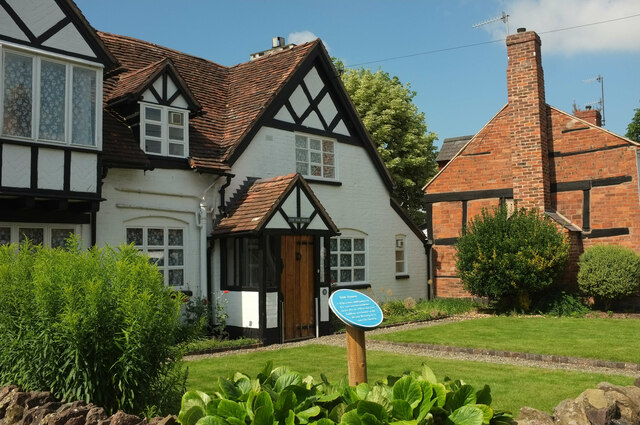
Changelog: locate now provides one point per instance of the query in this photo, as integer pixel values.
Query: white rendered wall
(361, 203)
(158, 198)
(242, 308)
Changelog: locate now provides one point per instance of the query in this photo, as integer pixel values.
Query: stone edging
(224, 349)
(548, 358)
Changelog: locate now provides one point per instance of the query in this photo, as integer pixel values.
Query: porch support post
(356, 356)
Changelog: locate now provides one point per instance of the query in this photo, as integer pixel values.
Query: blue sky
(458, 90)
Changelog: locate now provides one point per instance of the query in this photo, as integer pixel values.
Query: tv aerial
(504, 18)
(599, 103)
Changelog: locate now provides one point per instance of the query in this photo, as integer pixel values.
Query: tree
(633, 129)
(398, 130)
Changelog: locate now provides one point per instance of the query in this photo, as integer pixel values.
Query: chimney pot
(522, 29)
(277, 42)
(588, 107)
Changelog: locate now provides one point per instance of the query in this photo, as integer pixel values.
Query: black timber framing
(468, 195)
(446, 241)
(464, 217)
(603, 233)
(73, 17)
(586, 210)
(316, 57)
(558, 154)
(588, 184)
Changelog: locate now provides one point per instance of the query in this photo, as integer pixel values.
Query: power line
(464, 46)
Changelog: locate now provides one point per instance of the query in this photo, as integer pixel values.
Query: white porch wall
(125, 208)
(360, 203)
(242, 308)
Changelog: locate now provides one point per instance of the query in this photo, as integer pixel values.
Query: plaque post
(356, 356)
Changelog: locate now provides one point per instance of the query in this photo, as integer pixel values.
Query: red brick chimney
(592, 116)
(528, 112)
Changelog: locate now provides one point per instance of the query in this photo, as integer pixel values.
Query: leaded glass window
(315, 157)
(83, 111)
(164, 130)
(40, 97)
(165, 248)
(35, 235)
(348, 259)
(52, 235)
(243, 257)
(5, 235)
(17, 95)
(59, 237)
(53, 78)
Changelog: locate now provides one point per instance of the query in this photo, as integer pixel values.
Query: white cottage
(254, 185)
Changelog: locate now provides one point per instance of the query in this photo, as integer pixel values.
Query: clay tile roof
(232, 98)
(133, 81)
(451, 146)
(254, 207)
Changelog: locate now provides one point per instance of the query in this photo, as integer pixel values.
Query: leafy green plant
(196, 318)
(508, 257)
(285, 397)
(609, 272)
(96, 325)
(561, 303)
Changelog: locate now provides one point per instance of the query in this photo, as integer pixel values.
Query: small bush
(96, 325)
(282, 396)
(509, 258)
(561, 303)
(609, 272)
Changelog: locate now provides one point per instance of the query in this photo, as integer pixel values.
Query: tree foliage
(510, 257)
(398, 130)
(633, 129)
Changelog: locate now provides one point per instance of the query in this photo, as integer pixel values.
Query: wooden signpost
(359, 313)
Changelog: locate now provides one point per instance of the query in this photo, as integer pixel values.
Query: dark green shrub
(560, 303)
(609, 272)
(196, 319)
(96, 325)
(281, 396)
(508, 258)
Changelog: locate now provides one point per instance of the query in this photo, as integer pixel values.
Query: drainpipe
(201, 222)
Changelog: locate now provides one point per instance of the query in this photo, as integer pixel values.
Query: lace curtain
(18, 80)
(83, 108)
(52, 92)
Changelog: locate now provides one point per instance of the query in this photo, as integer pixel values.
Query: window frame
(165, 125)
(36, 65)
(404, 260)
(308, 149)
(165, 247)
(240, 263)
(338, 268)
(47, 228)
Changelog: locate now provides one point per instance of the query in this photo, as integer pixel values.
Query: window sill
(402, 276)
(320, 181)
(351, 286)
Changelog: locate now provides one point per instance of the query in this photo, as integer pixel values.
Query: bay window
(164, 130)
(48, 100)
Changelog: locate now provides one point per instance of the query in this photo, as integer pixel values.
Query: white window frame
(309, 150)
(70, 64)
(165, 247)
(47, 228)
(338, 268)
(164, 125)
(401, 246)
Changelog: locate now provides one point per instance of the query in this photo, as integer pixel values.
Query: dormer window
(164, 130)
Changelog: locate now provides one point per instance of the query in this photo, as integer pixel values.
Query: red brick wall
(447, 219)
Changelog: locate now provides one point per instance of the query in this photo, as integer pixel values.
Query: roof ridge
(148, 43)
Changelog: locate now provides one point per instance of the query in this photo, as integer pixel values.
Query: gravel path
(415, 349)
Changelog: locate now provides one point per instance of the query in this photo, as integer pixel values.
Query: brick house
(581, 175)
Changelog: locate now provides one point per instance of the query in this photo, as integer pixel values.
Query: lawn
(604, 339)
(512, 387)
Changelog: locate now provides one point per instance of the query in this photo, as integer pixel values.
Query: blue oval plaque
(355, 309)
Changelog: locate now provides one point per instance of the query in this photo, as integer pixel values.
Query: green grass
(512, 387)
(604, 339)
(207, 345)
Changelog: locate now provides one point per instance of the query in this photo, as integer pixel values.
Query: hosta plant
(282, 396)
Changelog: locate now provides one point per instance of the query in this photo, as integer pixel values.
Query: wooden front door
(296, 285)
